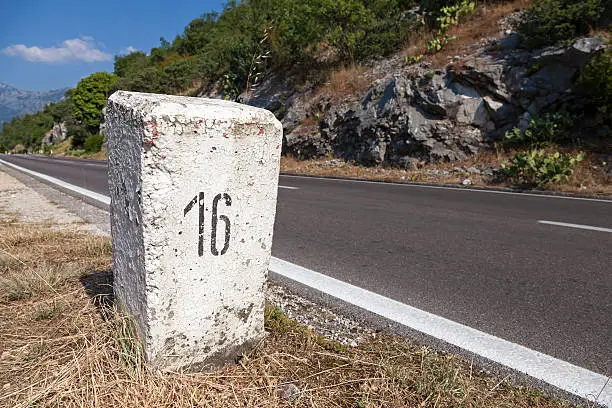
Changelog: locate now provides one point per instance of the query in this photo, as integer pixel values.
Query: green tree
(177, 76)
(130, 64)
(27, 130)
(60, 111)
(89, 98)
(146, 80)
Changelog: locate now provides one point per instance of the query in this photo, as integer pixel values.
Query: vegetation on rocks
(543, 131)
(537, 167)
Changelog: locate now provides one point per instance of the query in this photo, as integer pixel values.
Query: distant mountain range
(16, 102)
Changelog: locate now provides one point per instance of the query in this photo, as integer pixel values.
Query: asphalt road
(477, 258)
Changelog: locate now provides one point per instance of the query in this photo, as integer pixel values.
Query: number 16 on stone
(199, 199)
(193, 186)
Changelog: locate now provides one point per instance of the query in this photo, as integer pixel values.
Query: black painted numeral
(215, 218)
(199, 199)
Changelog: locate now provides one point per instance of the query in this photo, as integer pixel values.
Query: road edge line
(576, 226)
(490, 190)
(561, 374)
(79, 190)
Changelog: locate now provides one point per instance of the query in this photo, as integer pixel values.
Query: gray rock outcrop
(418, 115)
(57, 134)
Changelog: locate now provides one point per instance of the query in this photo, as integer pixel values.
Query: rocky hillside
(523, 85)
(420, 113)
(17, 102)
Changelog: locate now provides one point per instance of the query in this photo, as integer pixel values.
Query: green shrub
(93, 143)
(449, 16)
(78, 134)
(596, 82)
(550, 21)
(536, 167)
(453, 15)
(544, 131)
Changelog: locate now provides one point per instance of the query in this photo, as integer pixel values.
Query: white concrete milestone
(193, 186)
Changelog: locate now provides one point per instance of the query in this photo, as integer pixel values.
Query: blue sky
(49, 44)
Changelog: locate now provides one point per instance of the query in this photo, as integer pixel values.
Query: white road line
(450, 188)
(579, 226)
(84, 163)
(561, 374)
(289, 188)
(83, 191)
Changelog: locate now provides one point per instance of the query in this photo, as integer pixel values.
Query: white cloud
(76, 49)
(128, 50)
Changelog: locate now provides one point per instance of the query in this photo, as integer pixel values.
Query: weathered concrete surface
(193, 186)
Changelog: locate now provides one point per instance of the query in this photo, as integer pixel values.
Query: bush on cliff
(596, 82)
(93, 143)
(546, 130)
(551, 21)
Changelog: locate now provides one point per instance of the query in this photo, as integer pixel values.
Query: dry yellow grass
(589, 177)
(347, 82)
(63, 344)
(64, 149)
(483, 25)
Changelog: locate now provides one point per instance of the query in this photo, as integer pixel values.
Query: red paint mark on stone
(261, 132)
(150, 142)
(277, 147)
(225, 136)
(154, 131)
(164, 155)
(200, 121)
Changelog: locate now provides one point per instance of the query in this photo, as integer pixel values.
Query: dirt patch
(20, 202)
(482, 170)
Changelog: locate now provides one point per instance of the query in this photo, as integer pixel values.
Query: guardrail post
(193, 185)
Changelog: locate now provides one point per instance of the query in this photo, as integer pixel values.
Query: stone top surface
(190, 107)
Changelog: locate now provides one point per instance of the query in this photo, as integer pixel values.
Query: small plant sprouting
(450, 16)
(438, 43)
(410, 60)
